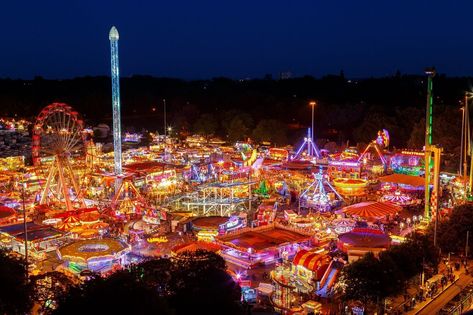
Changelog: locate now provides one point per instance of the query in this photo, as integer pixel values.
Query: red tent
(309, 260)
(372, 210)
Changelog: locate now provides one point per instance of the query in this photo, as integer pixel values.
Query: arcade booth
(207, 228)
(408, 162)
(265, 214)
(41, 238)
(262, 245)
(344, 169)
(360, 241)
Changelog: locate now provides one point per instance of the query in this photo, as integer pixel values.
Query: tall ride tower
(430, 72)
(117, 135)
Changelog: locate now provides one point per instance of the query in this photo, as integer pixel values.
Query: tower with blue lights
(117, 136)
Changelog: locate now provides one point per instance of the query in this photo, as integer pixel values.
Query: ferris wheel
(58, 132)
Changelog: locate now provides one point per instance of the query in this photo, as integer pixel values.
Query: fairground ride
(379, 144)
(58, 132)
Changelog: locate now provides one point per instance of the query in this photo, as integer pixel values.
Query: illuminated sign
(161, 239)
(343, 163)
(234, 222)
(416, 153)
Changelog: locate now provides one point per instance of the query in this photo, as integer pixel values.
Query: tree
(373, 122)
(372, 279)
(271, 130)
(190, 283)
(49, 288)
(451, 234)
(206, 125)
(120, 293)
(361, 279)
(16, 293)
(205, 291)
(237, 130)
(200, 279)
(446, 130)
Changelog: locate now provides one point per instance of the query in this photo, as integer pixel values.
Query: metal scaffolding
(218, 199)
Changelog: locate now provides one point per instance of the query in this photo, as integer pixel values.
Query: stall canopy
(309, 260)
(414, 181)
(372, 209)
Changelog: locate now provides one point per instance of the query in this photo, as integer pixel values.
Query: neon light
(117, 136)
(344, 163)
(161, 239)
(350, 183)
(312, 149)
(428, 141)
(416, 153)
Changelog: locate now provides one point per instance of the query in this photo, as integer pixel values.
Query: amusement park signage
(161, 239)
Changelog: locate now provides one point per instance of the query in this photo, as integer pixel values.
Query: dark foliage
(347, 109)
(191, 283)
(372, 279)
(16, 293)
(452, 232)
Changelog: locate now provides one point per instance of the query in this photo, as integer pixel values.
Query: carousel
(398, 198)
(98, 255)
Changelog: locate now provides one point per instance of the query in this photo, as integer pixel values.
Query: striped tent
(72, 219)
(65, 226)
(372, 210)
(309, 260)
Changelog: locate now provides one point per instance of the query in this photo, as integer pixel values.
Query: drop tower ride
(117, 135)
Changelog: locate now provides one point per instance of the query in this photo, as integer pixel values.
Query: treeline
(372, 279)
(347, 109)
(190, 283)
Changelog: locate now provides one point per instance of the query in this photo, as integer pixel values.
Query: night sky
(238, 39)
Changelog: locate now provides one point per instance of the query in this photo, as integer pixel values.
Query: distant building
(285, 75)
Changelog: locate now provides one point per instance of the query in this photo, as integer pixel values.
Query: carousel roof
(372, 209)
(90, 249)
